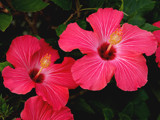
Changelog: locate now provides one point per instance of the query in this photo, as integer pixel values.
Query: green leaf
(129, 109)
(150, 27)
(137, 6)
(38, 37)
(76, 54)
(136, 20)
(5, 21)
(60, 29)
(82, 24)
(108, 114)
(65, 4)
(4, 107)
(124, 116)
(156, 91)
(82, 105)
(141, 96)
(4, 64)
(5, 110)
(96, 3)
(136, 9)
(142, 111)
(29, 5)
(98, 105)
(158, 118)
(122, 5)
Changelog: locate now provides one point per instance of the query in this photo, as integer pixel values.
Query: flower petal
(60, 74)
(63, 114)
(105, 21)
(157, 24)
(45, 49)
(158, 56)
(36, 109)
(131, 72)
(92, 73)
(76, 38)
(55, 95)
(17, 80)
(136, 39)
(21, 50)
(18, 118)
(157, 35)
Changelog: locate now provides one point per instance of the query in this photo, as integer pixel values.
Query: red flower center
(39, 78)
(36, 74)
(110, 55)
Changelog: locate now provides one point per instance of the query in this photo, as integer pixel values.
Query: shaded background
(48, 19)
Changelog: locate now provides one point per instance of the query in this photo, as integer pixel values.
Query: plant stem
(78, 94)
(31, 24)
(88, 9)
(78, 8)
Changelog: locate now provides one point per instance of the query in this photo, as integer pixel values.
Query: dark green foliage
(124, 117)
(150, 27)
(4, 64)
(5, 109)
(136, 9)
(64, 4)
(29, 5)
(48, 19)
(60, 29)
(5, 21)
(108, 114)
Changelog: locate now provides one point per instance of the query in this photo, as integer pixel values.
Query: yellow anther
(45, 61)
(116, 37)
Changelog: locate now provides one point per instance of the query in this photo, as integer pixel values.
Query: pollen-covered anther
(45, 61)
(116, 37)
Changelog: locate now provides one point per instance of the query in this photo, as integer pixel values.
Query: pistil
(115, 38)
(45, 62)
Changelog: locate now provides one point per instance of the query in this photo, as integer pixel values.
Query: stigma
(116, 36)
(45, 61)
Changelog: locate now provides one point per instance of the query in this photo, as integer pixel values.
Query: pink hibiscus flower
(157, 35)
(37, 109)
(34, 67)
(109, 50)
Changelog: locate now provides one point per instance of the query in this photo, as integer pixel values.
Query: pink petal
(131, 72)
(135, 39)
(157, 24)
(92, 73)
(76, 38)
(36, 109)
(63, 114)
(21, 50)
(157, 35)
(60, 74)
(105, 21)
(17, 80)
(158, 56)
(55, 95)
(45, 49)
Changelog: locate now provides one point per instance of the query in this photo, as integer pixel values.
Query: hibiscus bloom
(37, 109)
(110, 49)
(157, 35)
(34, 67)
